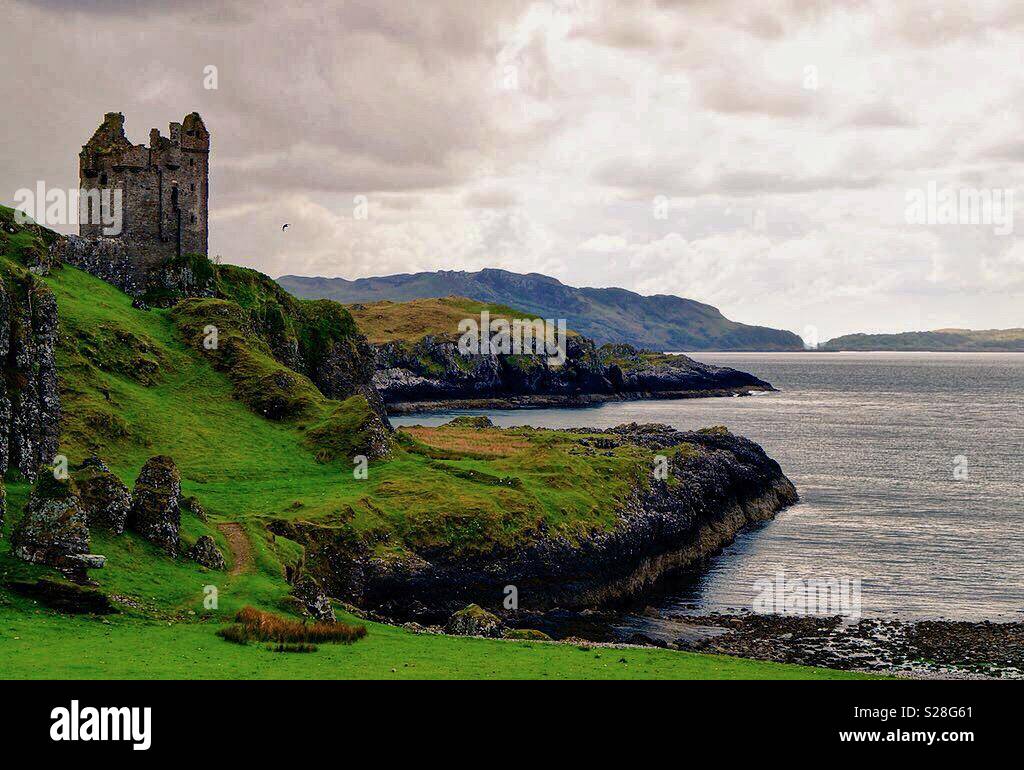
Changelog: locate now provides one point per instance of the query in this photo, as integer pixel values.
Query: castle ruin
(164, 189)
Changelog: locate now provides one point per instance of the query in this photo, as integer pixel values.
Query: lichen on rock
(474, 620)
(105, 498)
(206, 553)
(155, 512)
(54, 529)
(314, 601)
(29, 398)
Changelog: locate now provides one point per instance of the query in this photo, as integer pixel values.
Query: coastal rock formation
(105, 498)
(206, 553)
(433, 368)
(53, 530)
(29, 398)
(313, 600)
(474, 621)
(716, 485)
(432, 372)
(155, 513)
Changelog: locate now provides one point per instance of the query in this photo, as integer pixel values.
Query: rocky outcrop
(105, 258)
(29, 398)
(156, 512)
(115, 261)
(474, 621)
(313, 600)
(105, 498)
(719, 485)
(54, 530)
(433, 373)
(206, 553)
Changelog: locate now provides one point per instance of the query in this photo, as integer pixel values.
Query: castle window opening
(103, 179)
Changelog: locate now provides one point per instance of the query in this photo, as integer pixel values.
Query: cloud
(782, 135)
(737, 91)
(490, 198)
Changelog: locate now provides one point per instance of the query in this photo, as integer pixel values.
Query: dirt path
(240, 547)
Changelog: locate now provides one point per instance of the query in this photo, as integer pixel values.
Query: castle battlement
(164, 188)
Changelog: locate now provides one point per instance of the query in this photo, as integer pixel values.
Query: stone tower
(164, 189)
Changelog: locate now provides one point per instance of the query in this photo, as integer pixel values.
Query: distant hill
(659, 322)
(950, 340)
(387, 321)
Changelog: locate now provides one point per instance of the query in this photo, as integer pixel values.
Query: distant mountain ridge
(660, 322)
(949, 340)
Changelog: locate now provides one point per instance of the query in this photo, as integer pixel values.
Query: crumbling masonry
(164, 189)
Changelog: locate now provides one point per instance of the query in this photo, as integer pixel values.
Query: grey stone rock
(206, 553)
(105, 498)
(155, 512)
(53, 527)
(313, 599)
(29, 398)
(474, 620)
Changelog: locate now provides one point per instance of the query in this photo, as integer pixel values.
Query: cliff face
(720, 485)
(433, 368)
(29, 400)
(415, 374)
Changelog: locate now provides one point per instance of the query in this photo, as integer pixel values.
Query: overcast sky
(757, 156)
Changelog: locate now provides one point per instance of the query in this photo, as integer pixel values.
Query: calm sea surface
(872, 442)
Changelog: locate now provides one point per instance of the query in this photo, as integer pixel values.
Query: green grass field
(36, 645)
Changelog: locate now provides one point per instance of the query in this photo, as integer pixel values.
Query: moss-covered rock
(29, 398)
(525, 634)
(54, 526)
(105, 498)
(474, 620)
(312, 599)
(478, 422)
(351, 429)
(155, 513)
(206, 553)
(715, 430)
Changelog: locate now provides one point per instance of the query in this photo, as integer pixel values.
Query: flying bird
(284, 226)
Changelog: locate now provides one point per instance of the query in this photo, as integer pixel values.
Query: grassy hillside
(138, 383)
(388, 321)
(660, 322)
(941, 340)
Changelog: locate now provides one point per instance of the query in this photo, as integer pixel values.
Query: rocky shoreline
(580, 401)
(723, 484)
(433, 373)
(919, 649)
